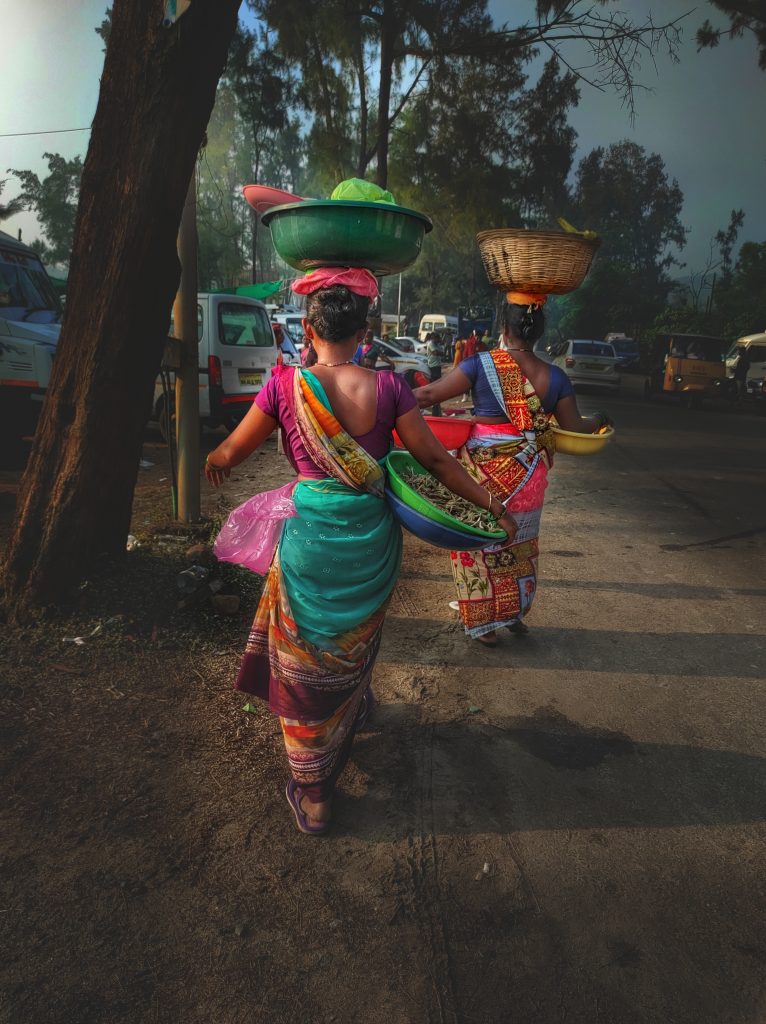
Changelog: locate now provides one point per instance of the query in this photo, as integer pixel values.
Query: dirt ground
(567, 828)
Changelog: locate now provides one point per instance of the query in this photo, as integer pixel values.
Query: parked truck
(475, 318)
(30, 315)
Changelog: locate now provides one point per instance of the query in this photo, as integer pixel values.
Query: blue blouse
(484, 401)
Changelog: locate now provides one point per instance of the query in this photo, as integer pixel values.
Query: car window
(592, 348)
(757, 353)
(697, 347)
(624, 345)
(288, 344)
(244, 325)
(24, 283)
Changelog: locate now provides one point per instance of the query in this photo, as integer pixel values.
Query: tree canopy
(623, 193)
(12, 207)
(745, 16)
(54, 201)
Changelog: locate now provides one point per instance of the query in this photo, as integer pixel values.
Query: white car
(593, 363)
(404, 362)
(291, 349)
(408, 344)
(293, 321)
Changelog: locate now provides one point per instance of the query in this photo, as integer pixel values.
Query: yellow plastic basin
(570, 442)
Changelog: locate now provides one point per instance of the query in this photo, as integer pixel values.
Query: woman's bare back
(353, 394)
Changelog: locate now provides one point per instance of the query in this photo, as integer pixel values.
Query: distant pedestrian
(434, 359)
(373, 352)
(741, 371)
(469, 349)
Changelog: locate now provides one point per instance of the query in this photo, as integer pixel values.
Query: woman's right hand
(508, 523)
(216, 474)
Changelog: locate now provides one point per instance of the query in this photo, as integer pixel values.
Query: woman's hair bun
(337, 313)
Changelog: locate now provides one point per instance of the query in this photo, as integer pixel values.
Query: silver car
(588, 362)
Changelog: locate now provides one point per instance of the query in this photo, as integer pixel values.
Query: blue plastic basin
(432, 532)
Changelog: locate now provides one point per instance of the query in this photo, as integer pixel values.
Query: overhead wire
(53, 131)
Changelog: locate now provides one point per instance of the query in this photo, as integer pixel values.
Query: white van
(756, 344)
(237, 352)
(437, 322)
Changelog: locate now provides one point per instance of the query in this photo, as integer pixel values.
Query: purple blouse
(394, 398)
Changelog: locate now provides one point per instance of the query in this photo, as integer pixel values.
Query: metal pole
(399, 310)
(187, 376)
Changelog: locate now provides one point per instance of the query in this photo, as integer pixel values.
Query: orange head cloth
(526, 298)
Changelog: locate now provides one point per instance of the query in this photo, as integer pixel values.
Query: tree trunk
(387, 30)
(157, 92)
(363, 109)
(255, 217)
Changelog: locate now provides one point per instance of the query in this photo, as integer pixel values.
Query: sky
(704, 115)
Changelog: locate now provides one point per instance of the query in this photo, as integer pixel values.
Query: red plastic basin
(451, 431)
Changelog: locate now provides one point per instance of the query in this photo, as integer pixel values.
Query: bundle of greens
(428, 487)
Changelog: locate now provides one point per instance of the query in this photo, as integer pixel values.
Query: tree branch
(403, 102)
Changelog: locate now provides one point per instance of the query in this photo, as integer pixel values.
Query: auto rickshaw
(688, 366)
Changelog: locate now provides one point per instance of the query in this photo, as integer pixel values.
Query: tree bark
(157, 92)
(254, 219)
(387, 30)
(363, 109)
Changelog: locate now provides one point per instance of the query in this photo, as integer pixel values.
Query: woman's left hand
(602, 420)
(216, 474)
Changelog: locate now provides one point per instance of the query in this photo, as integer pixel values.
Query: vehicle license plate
(250, 378)
(597, 367)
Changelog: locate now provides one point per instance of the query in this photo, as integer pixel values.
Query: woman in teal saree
(317, 630)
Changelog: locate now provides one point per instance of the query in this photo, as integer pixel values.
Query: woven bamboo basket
(553, 262)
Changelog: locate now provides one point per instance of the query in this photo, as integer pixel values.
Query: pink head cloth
(356, 279)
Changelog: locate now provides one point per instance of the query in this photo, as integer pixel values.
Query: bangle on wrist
(212, 465)
(489, 506)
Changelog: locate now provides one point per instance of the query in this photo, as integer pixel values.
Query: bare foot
(518, 627)
(318, 813)
(488, 639)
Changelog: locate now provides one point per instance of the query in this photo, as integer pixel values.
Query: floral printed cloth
(496, 586)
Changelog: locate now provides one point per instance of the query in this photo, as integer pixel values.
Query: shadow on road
(731, 655)
(547, 772)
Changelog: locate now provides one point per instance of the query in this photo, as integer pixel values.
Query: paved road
(568, 828)
(614, 780)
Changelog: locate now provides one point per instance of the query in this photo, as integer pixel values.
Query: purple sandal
(293, 793)
(366, 707)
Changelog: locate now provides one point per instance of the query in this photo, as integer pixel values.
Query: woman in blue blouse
(510, 450)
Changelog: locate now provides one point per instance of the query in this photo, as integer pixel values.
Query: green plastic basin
(399, 462)
(340, 233)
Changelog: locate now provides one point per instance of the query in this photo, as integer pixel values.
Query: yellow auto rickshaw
(688, 366)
